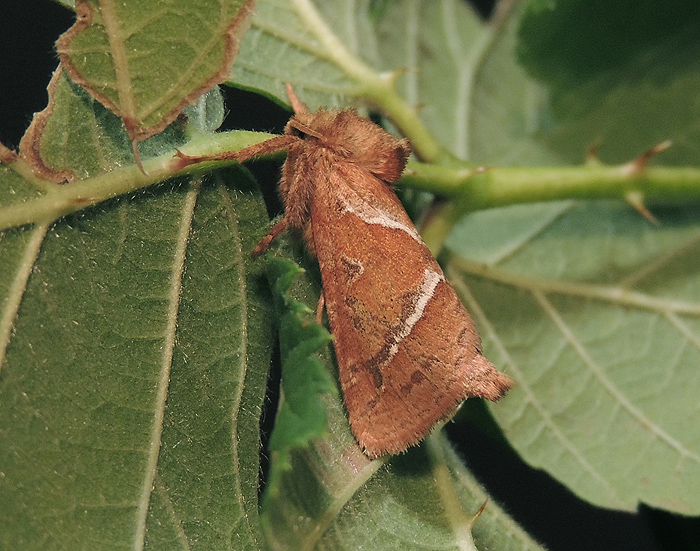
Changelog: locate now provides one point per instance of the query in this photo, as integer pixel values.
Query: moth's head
(354, 139)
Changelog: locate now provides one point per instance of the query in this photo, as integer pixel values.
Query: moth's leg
(267, 147)
(319, 308)
(270, 237)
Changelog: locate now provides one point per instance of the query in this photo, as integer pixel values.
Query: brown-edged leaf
(146, 61)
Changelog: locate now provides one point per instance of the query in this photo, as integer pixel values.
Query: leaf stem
(470, 188)
(382, 93)
(438, 225)
(377, 88)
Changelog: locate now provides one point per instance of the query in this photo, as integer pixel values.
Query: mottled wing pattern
(407, 350)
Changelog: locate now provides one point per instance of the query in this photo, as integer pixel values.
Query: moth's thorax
(331, 146)
(352, 138)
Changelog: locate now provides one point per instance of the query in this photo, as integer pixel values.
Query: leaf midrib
(18, 287)
(117, 48)
(169, 342)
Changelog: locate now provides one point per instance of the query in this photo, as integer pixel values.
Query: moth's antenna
(297, 105)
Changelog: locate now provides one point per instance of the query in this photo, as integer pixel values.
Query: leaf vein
(357, 481)
(607, 293)
(118, 50)
(659, 262)
(412, 32)
(530, 396)
(170, 508)
(655, 430)
(18, 287)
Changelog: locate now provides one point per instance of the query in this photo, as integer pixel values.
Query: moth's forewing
(407, 350)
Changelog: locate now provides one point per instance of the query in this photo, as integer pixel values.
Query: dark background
(545, 508)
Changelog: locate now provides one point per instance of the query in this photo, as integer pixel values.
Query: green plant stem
(470, 188)
(376, 88)
(482, 188)
(382, 93)
(438, 225)
(59, 200)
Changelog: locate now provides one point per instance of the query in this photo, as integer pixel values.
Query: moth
(407, 350)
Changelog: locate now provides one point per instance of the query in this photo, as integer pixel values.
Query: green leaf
(77, 137)
(495, 113)
(606, 39)
(146, 61)
(135, 341)
(132, 385)
(598, 324)
(623, 75)
(219, 374)
(606, 433)
(77, 140)
(474, 96)
(438, 43)
(287, 44)
(301, 416)
(591, 309)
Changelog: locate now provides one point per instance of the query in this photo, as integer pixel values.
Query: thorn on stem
(638, 165)
(137, 156)
(392, 76)
(185, 160)
(636, 199)
(82, 201)
(592, 153)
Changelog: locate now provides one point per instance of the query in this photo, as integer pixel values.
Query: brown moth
(407, 350)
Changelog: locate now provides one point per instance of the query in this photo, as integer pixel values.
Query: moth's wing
(407, 350)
